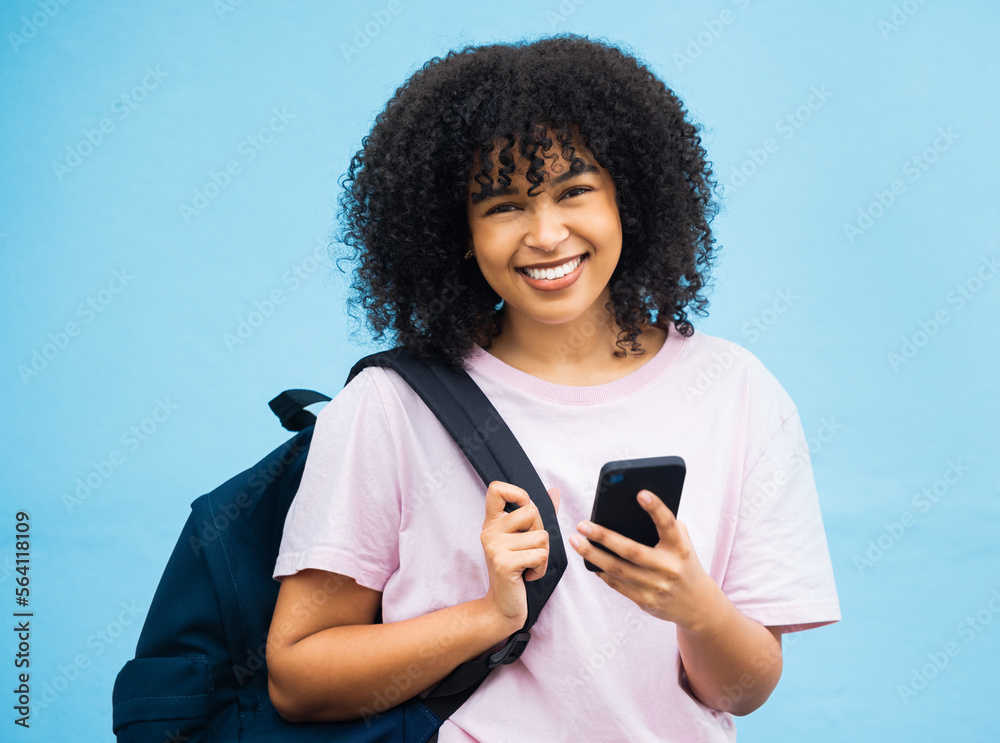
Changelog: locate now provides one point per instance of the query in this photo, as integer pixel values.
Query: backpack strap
(290, 407)
(494, 452)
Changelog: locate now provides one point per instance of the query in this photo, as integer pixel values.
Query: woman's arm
(328, 661)
(732, 663)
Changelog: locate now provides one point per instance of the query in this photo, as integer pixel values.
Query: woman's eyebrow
(587, 168)
(489, 192)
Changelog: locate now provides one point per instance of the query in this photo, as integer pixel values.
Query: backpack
(200, 672)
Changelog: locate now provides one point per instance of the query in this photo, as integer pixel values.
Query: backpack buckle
(511, 651)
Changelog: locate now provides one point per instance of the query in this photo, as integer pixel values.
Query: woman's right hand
(327, 659)
(516, 547)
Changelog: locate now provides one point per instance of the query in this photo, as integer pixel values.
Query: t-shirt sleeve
(345, 516)
(779, 572)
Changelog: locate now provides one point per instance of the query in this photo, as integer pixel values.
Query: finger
(538, 569)
(527, 551)
(534, 573)
(663, 517)
(500, 549)
(619, 568)
(627, 549)
(530, 564)
(499, 494)
(519, 541)
(627, 588)
(508, 550)
(525, 518)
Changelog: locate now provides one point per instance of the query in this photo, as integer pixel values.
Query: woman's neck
(580, 353)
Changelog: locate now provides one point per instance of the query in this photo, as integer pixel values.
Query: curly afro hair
(404, 201)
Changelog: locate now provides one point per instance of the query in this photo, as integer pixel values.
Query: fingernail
(645, 497)
(575, 541)
(584, 528)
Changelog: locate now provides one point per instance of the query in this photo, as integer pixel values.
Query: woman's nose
(547, 228)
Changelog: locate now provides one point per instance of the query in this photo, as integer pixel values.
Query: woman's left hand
(667, 580)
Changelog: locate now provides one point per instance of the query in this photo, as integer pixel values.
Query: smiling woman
(556, 108)
(571, 174)
(548, 250)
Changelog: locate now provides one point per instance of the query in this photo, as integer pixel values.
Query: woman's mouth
(554, 278)
(555, 272)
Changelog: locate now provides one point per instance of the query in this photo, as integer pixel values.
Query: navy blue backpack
(199, 672)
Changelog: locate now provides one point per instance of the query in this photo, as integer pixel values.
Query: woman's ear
(472, 248)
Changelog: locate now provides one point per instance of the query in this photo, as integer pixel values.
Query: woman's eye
(576, 191)
(501, 209)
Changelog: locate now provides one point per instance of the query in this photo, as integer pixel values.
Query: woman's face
(550, 256)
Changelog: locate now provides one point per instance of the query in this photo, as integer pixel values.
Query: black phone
(616, 507)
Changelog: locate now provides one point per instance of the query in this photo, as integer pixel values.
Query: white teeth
(553, 273)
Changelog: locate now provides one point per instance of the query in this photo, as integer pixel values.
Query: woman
(539, 214)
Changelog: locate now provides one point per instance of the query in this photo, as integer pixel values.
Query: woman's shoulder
(375, 399)
(714, 348)
(715, 364)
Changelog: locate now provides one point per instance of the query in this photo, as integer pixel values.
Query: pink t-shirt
(388, 499)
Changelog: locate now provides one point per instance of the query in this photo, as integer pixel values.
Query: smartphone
(616, 507)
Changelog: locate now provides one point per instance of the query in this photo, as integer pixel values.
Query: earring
(471, 252)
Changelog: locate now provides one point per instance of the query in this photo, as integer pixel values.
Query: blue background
(880, 116)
